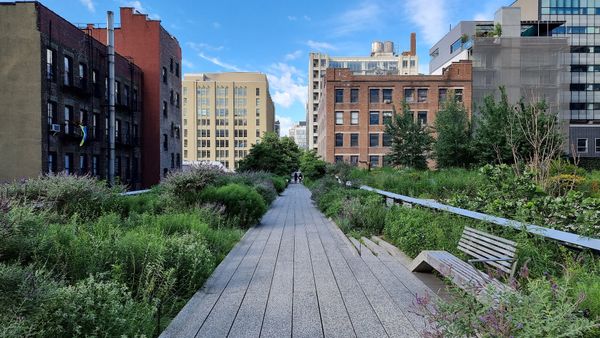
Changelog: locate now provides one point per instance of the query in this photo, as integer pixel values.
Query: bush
(280, 183)
(240, 201)
(183, 188)
(95, 308)
(65, 194)
(364, 213)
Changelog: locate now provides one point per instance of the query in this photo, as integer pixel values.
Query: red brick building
(354, 109)
(158, 54)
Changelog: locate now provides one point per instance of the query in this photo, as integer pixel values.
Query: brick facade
(360, 139)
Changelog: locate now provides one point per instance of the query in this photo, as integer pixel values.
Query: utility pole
(111, 97)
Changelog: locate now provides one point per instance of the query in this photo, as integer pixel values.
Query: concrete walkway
(296, 274)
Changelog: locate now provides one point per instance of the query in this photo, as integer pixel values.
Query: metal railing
(137, 192)
(567, 238)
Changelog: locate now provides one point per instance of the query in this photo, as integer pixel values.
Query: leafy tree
(410, 141)
(491, 144)
(280, 156)
(312, 166)
(453, 145)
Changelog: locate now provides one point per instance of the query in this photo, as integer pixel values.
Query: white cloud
(216, 25)
(287, 85)
(293, 55)
(316, 45)
(365, 16)
(286, 123)
(137, 5)
(292, 18)
(430, 16)
(220, 63)
(307, 18)
(205, 46)
(187, 63)
(89, 4)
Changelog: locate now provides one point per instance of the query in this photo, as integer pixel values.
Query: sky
(275, 36)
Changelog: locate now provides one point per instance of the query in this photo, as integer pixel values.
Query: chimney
(413, 44)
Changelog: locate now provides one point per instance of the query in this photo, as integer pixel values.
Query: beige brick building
(354, 109)
(224, 114)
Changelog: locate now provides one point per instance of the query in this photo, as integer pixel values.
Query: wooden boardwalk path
(296, 274)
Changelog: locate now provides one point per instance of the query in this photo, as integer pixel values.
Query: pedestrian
(295, 177)
(300, 177)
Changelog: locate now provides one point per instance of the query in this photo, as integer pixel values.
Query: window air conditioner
(387, 101)
(55, 128)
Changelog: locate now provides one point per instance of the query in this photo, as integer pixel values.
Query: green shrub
(365, 213)
(414, 230)
(65, 194)
(240, 201)
(19, 225)
(280, 183)
(95, 308)
(183, 188)
(543, 308)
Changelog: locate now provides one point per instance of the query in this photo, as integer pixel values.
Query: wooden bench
(495, 252)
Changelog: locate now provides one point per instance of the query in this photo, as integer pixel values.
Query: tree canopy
(453, 145)
(280, 156)
(411, 141)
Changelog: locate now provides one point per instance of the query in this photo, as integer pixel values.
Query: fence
(137, 192)
(566, 238)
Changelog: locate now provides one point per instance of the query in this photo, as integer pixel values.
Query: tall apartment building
(158, 54)
(298, 134)
(582, 26)
(355, 108)
(224, 114)
(383, 60)
(53, 99)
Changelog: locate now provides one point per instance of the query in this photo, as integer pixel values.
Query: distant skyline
(275, 37)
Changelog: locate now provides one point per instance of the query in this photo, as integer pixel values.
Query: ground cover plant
(79, 259)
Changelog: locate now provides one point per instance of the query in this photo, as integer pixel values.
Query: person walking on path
(300, 177)
(295, 177)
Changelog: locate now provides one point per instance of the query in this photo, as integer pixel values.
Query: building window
(582, 145)
(52, 118)
(68, 73)
(387, 140)
(172, 160)
(374, 161)
(95, 165)
(339, 118)
(164, 109)
(118, 130)
(409, 95)
(422, 117)
(165, 142)
(126, 95)
(339, 95)
(165, 172)
(442, 93)
(598, 145)
(52, 163)
(339, 159)
(422, 95)
(83, 164)
(50, 64)
(177, 99)
(171, 65)
(68, 117)
(354, 95)
(257, 91)
(387, 95)
(354, 160)
(94, 131)
(68, 164)
(387, 117)
(373, 140)
(354, 140)
(82, 75)
(374, 118)
(458, 95)
(339, 140)
(118, 92)
(374, 95)
(178, 160)
(164, 75)
(177, 69)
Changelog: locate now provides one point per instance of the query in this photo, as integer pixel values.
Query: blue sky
(275, 36)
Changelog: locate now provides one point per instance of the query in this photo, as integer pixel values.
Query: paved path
(296, 274)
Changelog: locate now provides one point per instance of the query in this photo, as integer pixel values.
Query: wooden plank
(485, 243)
(484, 251)
(494, 264)
(499, 239)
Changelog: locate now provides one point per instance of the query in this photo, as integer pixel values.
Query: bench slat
(507, 250)
(483, 250)
(485, 234)
(494, 264)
